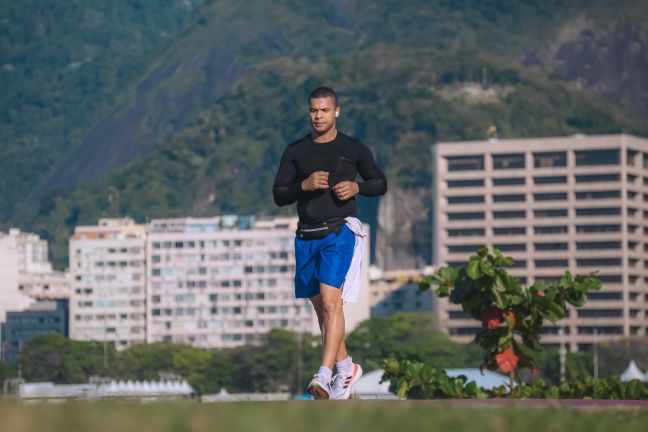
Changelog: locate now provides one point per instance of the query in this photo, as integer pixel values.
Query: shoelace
(338, 380)
(321, 378)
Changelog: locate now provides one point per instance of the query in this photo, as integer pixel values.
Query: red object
(491, 317)
(540, 293)
(506, 360)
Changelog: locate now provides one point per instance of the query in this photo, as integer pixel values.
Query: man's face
(322, 114)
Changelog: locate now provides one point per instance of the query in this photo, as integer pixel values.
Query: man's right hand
(317, 180)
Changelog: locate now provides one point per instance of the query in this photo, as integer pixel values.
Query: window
(508, 161)
(511, 214)
(599, 330)
(550, 246)
(596, 262)
(466, 216)
(545, 213)
(594, 178)
(466, 232)
(510, 247)
(465, 183)
(608, 295)
(509, 198)
(508, 181)
(597, 228)
(509, 231)
(541, 263)
(602, 211)
(550, 196)
(551, 229)
(598, 245)
(591, 195)
(549, 180)
(597, 157)
(468, 199)
(465, 163)
(549, 159)
(599, 313)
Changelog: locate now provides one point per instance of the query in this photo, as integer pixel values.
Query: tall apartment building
(26, 273)
(225, 281)
(577, 203)
(108, 282)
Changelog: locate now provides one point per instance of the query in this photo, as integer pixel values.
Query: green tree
(512, 316)
(54, 357)
(6, 372)
(408, 335)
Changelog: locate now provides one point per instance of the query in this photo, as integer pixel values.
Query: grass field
(354, 416)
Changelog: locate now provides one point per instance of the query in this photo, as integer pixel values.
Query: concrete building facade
(43, 317)
(108, 282)
(222, 281)
(226, 281)
(577, 203)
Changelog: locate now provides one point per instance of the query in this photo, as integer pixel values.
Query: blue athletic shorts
(324, 260)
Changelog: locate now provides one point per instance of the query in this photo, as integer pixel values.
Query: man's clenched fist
(346, 190)
(317, 180)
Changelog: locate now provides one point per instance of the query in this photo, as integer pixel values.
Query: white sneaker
(319, 387)
(343, 384)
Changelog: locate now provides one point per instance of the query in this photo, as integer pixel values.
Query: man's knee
(331, 306)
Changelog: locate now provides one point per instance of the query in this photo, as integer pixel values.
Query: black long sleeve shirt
(344, 158)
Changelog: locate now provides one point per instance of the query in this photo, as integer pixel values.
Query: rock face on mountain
(404, 229)
(609, 59)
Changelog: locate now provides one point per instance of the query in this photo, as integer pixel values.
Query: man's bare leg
(332, 324)
(317, 305)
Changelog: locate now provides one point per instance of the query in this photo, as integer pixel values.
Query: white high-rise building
(226, 281)
(108, 273)
(26, 273)
(32, 252)
(10, 297)
(577, 203)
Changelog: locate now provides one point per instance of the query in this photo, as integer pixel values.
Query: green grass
(309, 416)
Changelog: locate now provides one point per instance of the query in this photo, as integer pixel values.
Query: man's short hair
(323, 92)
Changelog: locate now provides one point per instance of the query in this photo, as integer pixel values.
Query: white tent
(487, 380)
(632, 372)
(369, 387)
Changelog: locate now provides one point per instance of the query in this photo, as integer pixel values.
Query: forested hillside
(154, 109)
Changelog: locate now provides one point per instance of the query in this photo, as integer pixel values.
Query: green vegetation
(512, 319)
(415, 380)
(270, 366)
(63, 66)
(225, 160)
(487, 293)
(221, 86)
(615, 355)
(310, 416)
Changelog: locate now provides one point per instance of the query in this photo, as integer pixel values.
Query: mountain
(192, 119)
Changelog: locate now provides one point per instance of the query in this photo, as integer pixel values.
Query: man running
(319, 172)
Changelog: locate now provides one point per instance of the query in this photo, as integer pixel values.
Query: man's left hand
(346, 190)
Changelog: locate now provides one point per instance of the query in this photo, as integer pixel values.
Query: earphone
(337, 114)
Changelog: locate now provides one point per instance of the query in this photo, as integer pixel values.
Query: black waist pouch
(319, 230)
